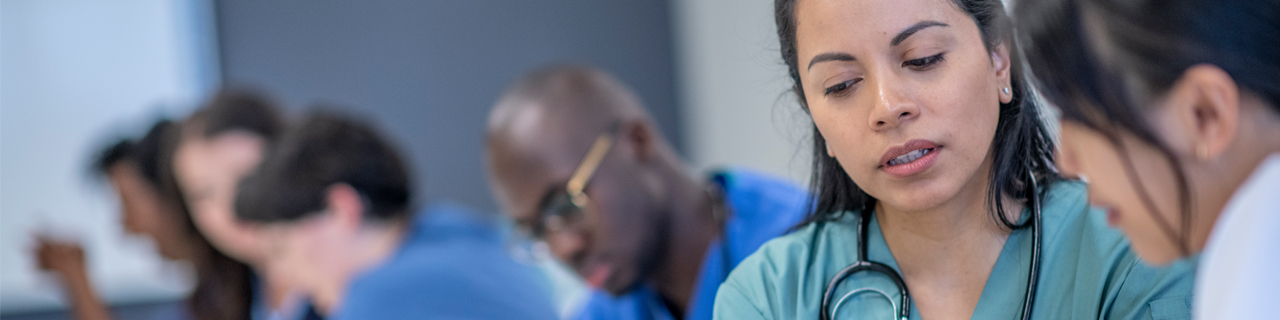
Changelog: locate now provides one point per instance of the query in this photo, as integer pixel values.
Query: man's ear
(640, 137)
(1204, 105)
(344, 204)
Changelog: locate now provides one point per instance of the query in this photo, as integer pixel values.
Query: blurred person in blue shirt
(334, 199)
(652, 239)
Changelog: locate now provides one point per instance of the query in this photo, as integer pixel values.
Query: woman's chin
(915, 198)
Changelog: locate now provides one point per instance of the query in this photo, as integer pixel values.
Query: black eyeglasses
(562, 206)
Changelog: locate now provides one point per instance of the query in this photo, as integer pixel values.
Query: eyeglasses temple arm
(589, 164)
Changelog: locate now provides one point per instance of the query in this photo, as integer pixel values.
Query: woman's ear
(1202, 110)
(344, 204)
(1002, 65)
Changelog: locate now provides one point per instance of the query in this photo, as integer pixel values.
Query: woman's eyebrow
(830, 56)
(902, 36)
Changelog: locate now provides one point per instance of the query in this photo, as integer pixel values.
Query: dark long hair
(1022, 149)
(223, 289)
(1151, 44)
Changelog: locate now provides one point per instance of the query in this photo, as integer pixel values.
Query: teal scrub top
(1088, 271)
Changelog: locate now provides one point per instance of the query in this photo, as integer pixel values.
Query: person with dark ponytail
(150, 206)
(936, 193)
(1171, 109)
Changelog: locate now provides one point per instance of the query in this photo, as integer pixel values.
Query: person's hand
(67, 260)
(64, 258)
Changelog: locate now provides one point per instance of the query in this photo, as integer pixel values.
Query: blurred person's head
(1167, 106)
(134, 170)
(540, 133)
(221, 143)
(333, 197)
(917, 105)
(142, 174)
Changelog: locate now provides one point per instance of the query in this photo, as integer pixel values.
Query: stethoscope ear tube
(1033, 200)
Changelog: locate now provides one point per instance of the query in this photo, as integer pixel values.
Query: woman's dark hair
(238, 109)
(107, 157)
(223, 289)
(144, 153)
(324, 149)
(1150, 44)
(1021, 150)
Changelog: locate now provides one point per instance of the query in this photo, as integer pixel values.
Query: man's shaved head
(539, 132)
(547, 120)
(562, 102)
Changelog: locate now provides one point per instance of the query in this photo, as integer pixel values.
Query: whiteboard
(74, 75)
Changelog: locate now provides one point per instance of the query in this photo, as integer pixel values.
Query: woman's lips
(911, 158)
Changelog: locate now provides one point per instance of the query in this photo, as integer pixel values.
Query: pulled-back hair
(238, 109)
(1150, 45)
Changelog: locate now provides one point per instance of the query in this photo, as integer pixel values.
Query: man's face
(208, 171)
(618, 238)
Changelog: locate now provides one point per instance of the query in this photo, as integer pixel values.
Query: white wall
(75, 74)
(733, 88)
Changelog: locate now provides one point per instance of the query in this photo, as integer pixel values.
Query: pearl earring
(1006, 90)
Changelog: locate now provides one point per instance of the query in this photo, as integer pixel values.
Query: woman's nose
(892, 106)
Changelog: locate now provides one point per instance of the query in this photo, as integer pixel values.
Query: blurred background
(75, 74)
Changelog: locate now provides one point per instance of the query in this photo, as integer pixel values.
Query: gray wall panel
(428, 71)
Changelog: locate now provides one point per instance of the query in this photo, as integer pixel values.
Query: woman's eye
(841, 87)
(923, 63)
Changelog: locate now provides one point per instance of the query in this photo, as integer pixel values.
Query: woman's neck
(934, 241)
(1214, 182)
(946, 253)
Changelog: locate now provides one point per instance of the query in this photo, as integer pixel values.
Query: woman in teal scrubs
(923, 124)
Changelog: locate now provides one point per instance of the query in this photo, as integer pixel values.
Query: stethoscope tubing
(903, 307)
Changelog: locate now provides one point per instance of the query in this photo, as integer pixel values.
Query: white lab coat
(1237, 277)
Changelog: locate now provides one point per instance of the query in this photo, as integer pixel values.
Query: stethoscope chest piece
(902, 307)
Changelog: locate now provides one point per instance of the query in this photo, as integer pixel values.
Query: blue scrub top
(453, 264)
(1087, 271)
(762, 207)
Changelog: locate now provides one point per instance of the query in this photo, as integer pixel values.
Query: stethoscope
(903, 305)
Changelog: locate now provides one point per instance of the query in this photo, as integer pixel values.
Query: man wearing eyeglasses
(578, 164)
